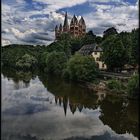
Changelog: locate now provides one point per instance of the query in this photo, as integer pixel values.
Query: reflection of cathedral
(76, 28)
(73, 106)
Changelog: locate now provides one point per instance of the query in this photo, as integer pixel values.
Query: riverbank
(101, 86)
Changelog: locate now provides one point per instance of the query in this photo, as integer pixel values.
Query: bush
(133, 86)
(55, 62)
(114, 84)
(81, 68)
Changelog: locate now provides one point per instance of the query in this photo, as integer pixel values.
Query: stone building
(75, 29)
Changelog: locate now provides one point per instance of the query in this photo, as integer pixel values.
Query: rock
(101, 86)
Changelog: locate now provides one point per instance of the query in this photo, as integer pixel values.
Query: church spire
(66, 20)
(66, 24)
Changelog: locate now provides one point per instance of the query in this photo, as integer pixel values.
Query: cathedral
(75, 29)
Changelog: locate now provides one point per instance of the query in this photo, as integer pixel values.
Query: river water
(40, 107)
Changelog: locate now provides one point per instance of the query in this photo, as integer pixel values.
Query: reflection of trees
(19, 77)
(121, 116)
(70, 94)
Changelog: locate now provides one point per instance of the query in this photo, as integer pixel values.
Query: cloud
(109, 15)
(33, 21)
(58, 4)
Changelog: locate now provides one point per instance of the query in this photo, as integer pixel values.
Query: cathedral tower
(82, 27)
(76, 28)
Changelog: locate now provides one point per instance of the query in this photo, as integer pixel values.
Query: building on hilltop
(75, 29)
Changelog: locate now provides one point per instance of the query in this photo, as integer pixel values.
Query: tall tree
(114, 53)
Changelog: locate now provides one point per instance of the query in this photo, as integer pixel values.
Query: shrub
(114, 84)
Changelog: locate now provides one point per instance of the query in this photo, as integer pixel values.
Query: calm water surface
(37, 107)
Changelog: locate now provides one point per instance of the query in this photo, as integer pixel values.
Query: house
(95, 51)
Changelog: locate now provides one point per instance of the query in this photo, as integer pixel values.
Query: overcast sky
(33, 21)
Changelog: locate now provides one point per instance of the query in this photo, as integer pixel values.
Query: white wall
(100, 63)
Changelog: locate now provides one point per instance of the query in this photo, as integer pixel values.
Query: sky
(33, 21)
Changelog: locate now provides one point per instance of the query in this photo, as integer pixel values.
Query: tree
(114, 53)
(60, 46)
(98, 39)
(81, 68)
(26, 62)
(76, 44)
(135, 47)
(126, 39)
(55, 62)
(130, 42)
(89, 38)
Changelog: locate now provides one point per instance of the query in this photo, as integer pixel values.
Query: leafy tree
(130, 42)
(60, 46)
(55, 62)
(64, 36)
(126, 39)
(114, 53)
(81, 68)
(135, 47)
(76, 44)
(26, 62)
(42, 58)
(98, 39)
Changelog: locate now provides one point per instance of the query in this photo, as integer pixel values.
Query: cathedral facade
(75, 29)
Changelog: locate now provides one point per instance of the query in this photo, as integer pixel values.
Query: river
(40, 107)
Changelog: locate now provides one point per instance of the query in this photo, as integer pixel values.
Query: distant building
(95, 51)
(75, 29)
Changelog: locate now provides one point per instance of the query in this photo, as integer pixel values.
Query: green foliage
(55, 62)
(12, 53)
(76, 44)
(81, 68)
(89, 38)
(133, 86)
(114, 84)
(60, 46)
(135, 47)
(42, 58)
(65, 36)
(98, 39)
(26, 62)
(114, 53)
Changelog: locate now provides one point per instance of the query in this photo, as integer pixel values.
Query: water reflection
(121, 115)
(51, 102)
